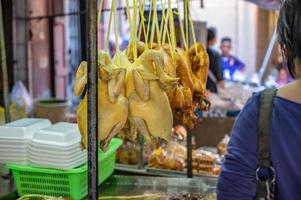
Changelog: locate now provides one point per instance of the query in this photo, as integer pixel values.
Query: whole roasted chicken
(112, 104)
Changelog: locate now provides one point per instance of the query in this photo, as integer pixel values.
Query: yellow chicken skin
(112, 104)
(199, 62)
(148, 102)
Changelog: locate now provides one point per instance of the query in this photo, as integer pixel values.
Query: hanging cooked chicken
(139, 90)
(112, 104)
(148, 103)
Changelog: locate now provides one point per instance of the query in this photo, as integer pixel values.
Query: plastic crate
(66, 183)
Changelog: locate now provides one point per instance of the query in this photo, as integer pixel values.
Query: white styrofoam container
(56, 152)
(56, 156)
(17, 162)
(13, 157)
(57, 161)
(23, 128)
(12, 150)
(13, 146)
(44, 145)
(65, 165)
(59, 134)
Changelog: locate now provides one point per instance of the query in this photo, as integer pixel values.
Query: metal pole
(4, 67)
(263, 68)
(52, 50)
(189, 138)
(92, 99)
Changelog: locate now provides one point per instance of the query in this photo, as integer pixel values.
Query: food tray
(67, 183)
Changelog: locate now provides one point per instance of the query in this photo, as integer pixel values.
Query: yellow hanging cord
(134, 37)
(115, 26)
(182, 28)
(99, 13)
(153, 23)
(166, 33)
(142, 21)
(109, 28)
(165, 29)
(148, 24)
(193, 33)
(172, 27)
(186, 23)
(131, 42)
(128, 13)
(157, 27)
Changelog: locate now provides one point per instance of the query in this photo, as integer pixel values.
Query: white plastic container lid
(61, 134)
(23, 128)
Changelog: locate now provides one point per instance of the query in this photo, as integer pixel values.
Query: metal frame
(92, 91)
(265, 63)
(3, 65)
(189, 136)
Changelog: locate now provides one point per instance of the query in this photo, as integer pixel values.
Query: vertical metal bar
(141, 150)
(52, 49)
(4, 67)
(92, 91)
(264, 67)
(189, 137)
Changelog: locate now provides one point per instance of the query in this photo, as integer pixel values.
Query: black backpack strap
(265, 188)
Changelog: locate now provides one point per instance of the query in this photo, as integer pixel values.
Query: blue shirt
(231, 64)
(237, 180)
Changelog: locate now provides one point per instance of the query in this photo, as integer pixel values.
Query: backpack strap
(265, 187)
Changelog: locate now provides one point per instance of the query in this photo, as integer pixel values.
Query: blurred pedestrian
(215, 78)
(230, 64)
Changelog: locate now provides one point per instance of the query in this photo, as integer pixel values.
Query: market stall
(150, 97)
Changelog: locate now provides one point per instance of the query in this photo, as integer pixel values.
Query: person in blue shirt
(237, 180)
(230, 64)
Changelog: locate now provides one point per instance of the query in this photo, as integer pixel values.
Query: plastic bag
(222, 146)
(19, 91)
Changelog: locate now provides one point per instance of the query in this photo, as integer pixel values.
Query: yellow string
(166, 32)
(182, 29)
(157, 27)
(186, 23)
(148, 23)
(172, 27)
(162, 20)
(142, 26)
(193, 33)
(109, 28)
(99, 12)
(115, 26)
(165, 29)
(153, 23)
(135, 30)
(128, 13)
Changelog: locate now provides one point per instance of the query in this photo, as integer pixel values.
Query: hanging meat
(148, 103)
(112, 104)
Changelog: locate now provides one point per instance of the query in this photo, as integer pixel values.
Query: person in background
(238, 179)
(230, 64)
(283, 76)
(215, 78)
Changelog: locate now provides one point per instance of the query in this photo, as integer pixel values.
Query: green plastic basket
(66, 183)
